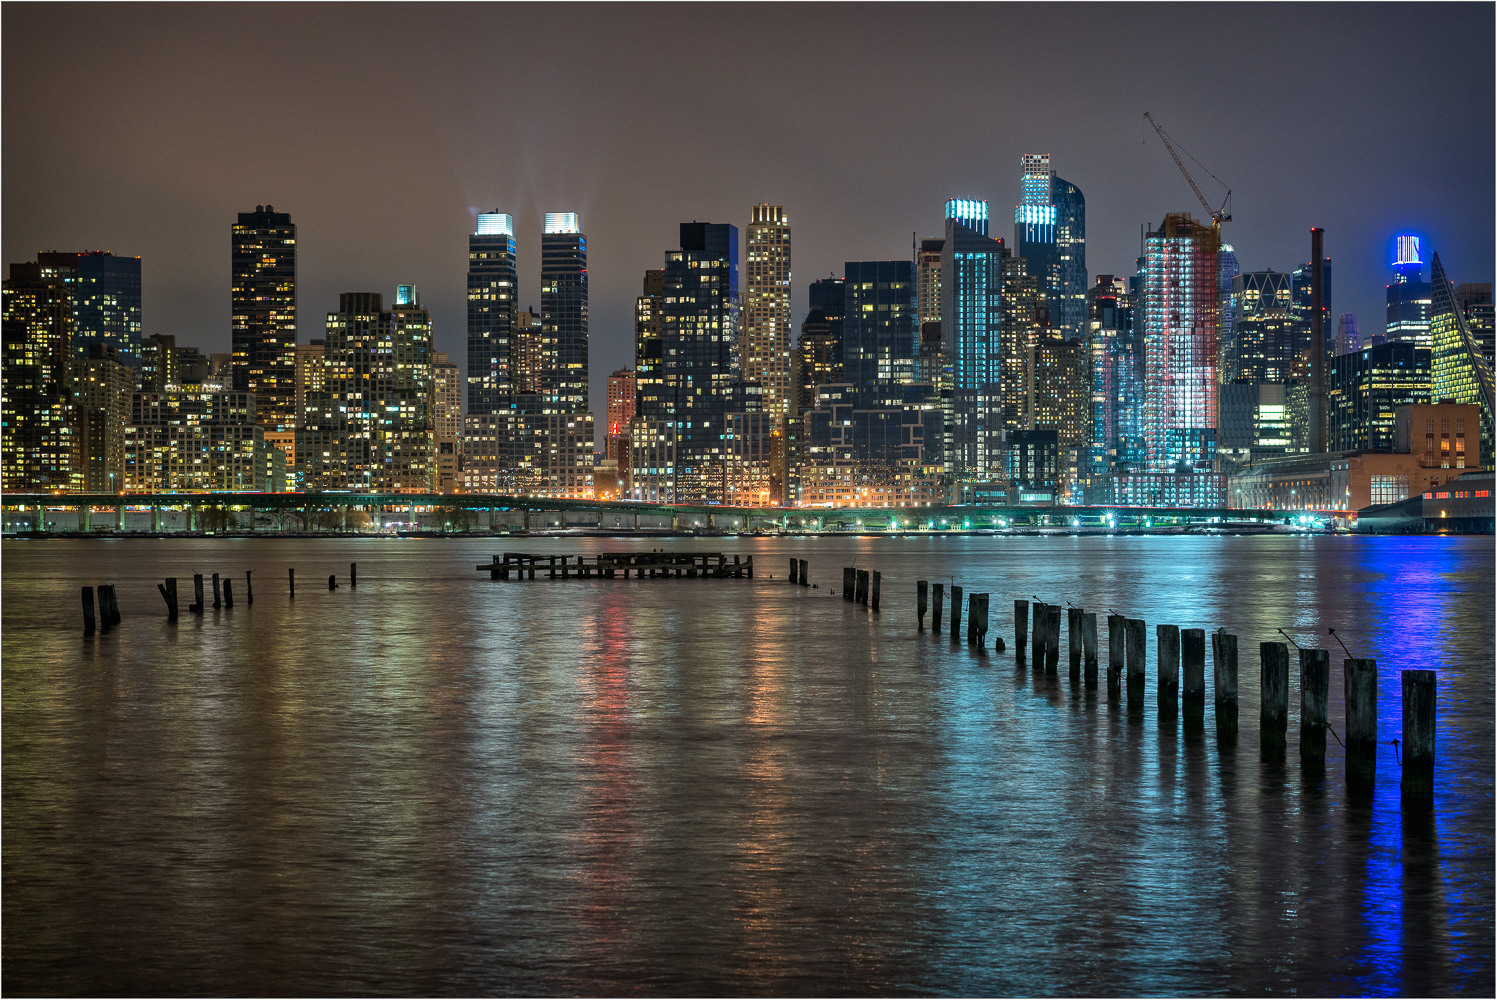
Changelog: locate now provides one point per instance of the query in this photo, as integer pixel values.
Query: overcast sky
(384, 129)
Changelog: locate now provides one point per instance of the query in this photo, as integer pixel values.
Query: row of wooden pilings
(223, 595)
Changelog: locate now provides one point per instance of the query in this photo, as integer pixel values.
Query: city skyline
(365, 226)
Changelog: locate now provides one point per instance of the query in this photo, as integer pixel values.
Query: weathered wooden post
(876, 584)
(937, 592)
(956, 613)
(805, 576)
(1116, 651)
(1073, 642)
(972, 602)
(249, 586)
(332, 581)
(1359, 680)
(1052, 639)
(353, 573)
(291, 580)
(1037, 636)
(849, 582)
(88, 611)
(1089, 648)
(980, 616)
(922, 588)
(1224, 669)
(1167, 652)
(1418, 736)
(860, 587)
(217, 594)
(106, 606)
(170, 599)
(794, 571)
(748, 566)
(114, 606)
(1273, 716)
(1314, 698)
(1021, 627)
(1193, 670)
(197, 594)
(1136, 644)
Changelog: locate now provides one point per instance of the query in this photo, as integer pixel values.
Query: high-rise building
(818, 356)
(1117, 376)
(1227, 271)
(1367, 386)
(158, 362)
(648, 373)
(192, 438)
(39, 421)
(1458, 371)
(447, 422)
(372, 427)
(1180, 311)
(564, 313)
(1050, 233)
(766, 307)
(1022, 313)
(1475, 300)
(1300, 280)
(1063, 403)
(1408, 296)
(1348, 340)
(492, 308)
(878, 328)
(530, 362)
(1266, 342)
(106, 301)
(263, 265)
(102, 387)
(971, 292)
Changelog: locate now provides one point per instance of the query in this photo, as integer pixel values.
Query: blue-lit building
(1408, 297)
(971, 307)
(1050, 233)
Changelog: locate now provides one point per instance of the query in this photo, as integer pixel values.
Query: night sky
(383, 130)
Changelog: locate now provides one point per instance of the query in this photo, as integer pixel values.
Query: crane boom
(1217, 215)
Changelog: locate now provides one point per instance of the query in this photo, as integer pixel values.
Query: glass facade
(1180, 311)
(564, 334)
(971, 303)
(263, 267)
(491, 313)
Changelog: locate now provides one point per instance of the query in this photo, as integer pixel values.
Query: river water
(441, 784)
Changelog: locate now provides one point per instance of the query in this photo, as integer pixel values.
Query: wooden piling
(1021, 627)
(1273, 716)
(980, 620)
(1167, 654)
(249, 586)
(88, 611)
(1116, 652)
(291, 580)
(1224, 671)
(217, 594)
(805, 576)
(921, 592)
(1314, 698)
(1193, 675)
(849, 582)
(353, 574)
(1052, 643)
(332, 581)
(876, 585)
(1073, 642)
(794, 571)
(956, 613)
(171, 604)
(972, 619)
(937, 592)
(197, 594)
(1089, 648)
(228, 593)
(1037, 635)
(1136, 640)
(1359, 681)
(1418, 784)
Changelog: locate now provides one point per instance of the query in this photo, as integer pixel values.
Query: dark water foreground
(441, 784)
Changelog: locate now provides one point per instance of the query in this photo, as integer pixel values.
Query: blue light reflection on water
(441, 784)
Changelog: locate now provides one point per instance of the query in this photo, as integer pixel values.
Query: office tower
(1263, 419)
(371, 428)
(1367, 386)
(1021, 313)
(818, 357)
(1227, 270)
(1180, 312)
(491, 313)
(648, 374)
(447, 422)
(158, 362)
(679, 455)
(1050, 233)
(878, 329)
(971, 287)
(1408, 296)
(1475, 301)
(1266, 341)
(564, 313)
(195, 438)
(1117, 377)
(1300, 280)
(1458, 371)
(766, 307)
(1063, 403)
(39, 415)
(106, 301)
(1348, 340)
(102, 386)
(263, 266)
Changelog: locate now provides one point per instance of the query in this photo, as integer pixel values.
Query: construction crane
(1219, 215)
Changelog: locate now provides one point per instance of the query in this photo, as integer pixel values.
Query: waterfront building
(1022, 315)
(492, 313)
(766, 331)
(447, 422)
(875, 456)
(1159, 489)
(193, 439)
(39, 420)
(1037, 465)
(102, 388)
(106, 301)
(1458, 371)
(1408, 296)
(1179, 308)
(564, 329)
(1348, 339)
(971, 304)
(1366, 388)
(1440, 435)
(263, 308)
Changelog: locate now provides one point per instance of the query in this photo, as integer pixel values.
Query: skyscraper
(39, 446)
(1475, 300)
(971, 283)
(648, 374)
(106, 301)
(878, 329)
(1365, 389)
(1050, 233)
(263, 264)
(1348, 339)
(1266, 341)
(1300, 280)
(1458, 371)
(564, 313)
(491, 313)
(1180, 311)
(766, 307)
(1408, 296)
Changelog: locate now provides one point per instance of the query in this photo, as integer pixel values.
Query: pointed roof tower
(1458, 372)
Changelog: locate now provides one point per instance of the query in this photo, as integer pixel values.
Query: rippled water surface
(437, 783)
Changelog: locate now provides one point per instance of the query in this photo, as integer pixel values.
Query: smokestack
(1318, 444)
